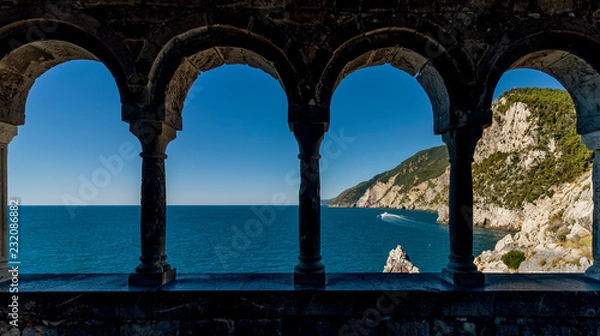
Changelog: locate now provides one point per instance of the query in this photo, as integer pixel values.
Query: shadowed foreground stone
(269, 304)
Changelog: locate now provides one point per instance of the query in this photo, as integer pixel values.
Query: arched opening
(190, 68)
(21, 67)
(229, 173)
(421, 68)
(445, 75)
(532, 173)
(379, 109)
(22, 64)
(386, 116)
(573, 69)
(73, 150)
(183, 58)
(179, 63)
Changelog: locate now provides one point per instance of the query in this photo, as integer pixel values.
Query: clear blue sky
(235, 147)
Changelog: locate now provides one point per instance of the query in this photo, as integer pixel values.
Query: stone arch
(425, 59)
(568, 58)
(25, 56)
(199, 50)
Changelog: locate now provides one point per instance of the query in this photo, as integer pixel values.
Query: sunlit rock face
(510, 151)
(399, 262)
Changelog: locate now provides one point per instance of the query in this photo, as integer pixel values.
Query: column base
(152, 279)
(593, 271)
(464, 279)
(4, 275)
(309, 277)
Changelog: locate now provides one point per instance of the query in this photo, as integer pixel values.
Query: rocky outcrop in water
(399, 262)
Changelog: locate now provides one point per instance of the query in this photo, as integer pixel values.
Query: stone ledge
(422, 282)
(245, 304)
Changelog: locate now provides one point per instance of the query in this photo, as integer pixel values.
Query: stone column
(7, 133)
(309, 271)
(153, 269)
(461, 270)
(592, 141)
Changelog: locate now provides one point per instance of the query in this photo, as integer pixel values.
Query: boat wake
(391, 218)
(404, 221)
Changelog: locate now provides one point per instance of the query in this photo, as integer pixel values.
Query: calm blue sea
(229, 239)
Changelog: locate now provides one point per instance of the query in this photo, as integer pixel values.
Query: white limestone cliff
(424, 196)
(512, 132)
(555, 233)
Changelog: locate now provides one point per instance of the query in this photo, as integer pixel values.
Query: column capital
(153, 135)
(309, 137)
(591, 140)
(7, 132)
(461, 142)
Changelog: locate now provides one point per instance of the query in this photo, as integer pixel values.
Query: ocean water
(230, 239)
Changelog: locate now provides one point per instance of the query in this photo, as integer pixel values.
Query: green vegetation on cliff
(497, 179)
(425, 165)
(513, 259)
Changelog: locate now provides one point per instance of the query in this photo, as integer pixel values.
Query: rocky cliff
(523, 167)
(419, 182)
(555, 235)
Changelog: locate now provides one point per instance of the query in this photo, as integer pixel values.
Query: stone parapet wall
(353, 304)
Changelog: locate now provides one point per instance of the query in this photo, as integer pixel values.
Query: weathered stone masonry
(155, 50)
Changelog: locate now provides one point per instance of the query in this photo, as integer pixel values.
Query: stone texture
(375, 304)
(309, 48)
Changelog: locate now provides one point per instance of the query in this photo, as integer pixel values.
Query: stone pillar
(461, 270)
(153, 269)
(309, 271)
(7, 133)
(592, 141)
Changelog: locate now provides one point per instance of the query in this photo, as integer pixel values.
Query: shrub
(585, 241)
(513, 259)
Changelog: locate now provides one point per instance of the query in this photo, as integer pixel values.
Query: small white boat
(385, 215)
